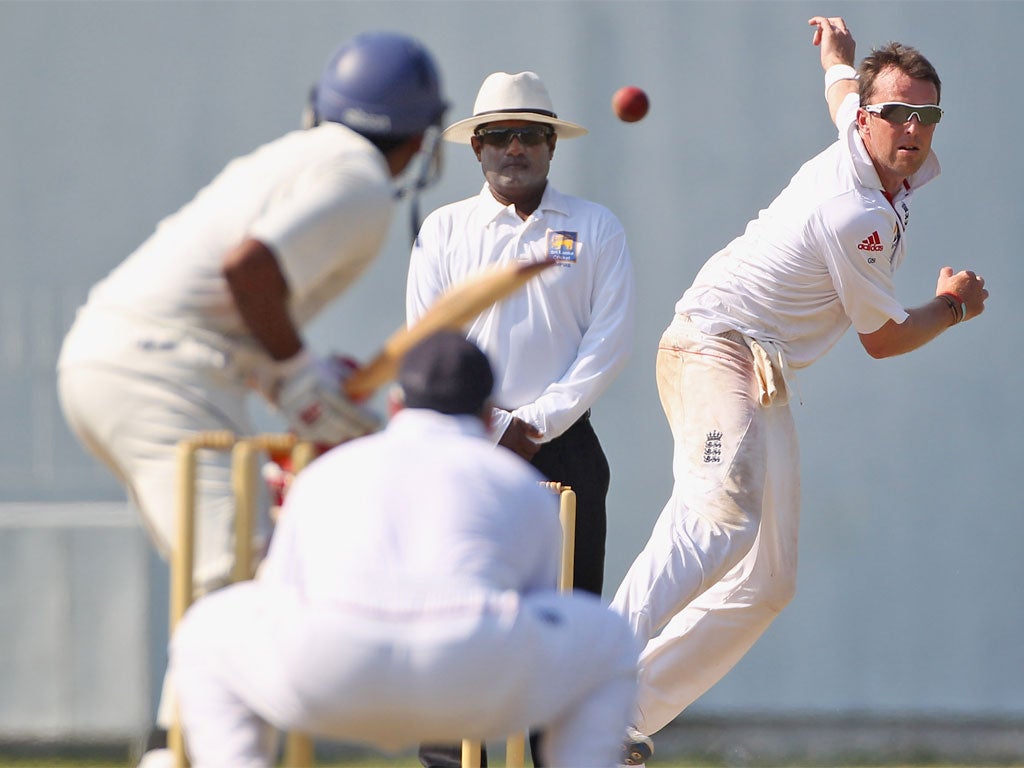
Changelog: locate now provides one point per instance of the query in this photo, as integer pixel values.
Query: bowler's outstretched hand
(836, 43)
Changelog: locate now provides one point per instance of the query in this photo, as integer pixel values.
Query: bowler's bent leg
(707, 638)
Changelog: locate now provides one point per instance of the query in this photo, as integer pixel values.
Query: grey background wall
(114, 114)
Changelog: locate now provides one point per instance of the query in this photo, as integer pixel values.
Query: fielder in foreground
(407, 567)
(721, 561)
(211, 306)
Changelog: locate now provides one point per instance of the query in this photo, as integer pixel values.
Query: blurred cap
(448, 373)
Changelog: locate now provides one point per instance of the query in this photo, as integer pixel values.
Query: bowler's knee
(776, 590)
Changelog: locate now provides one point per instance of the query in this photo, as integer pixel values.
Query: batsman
(211, 307)
(721, 561)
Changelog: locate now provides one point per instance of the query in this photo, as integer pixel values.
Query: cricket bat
(452, 311)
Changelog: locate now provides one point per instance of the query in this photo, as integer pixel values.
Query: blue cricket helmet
(380, 84)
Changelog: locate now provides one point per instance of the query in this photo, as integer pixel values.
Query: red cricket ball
(630, 103)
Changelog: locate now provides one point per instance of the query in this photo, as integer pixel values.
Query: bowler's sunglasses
(898, 113)
(528, 135)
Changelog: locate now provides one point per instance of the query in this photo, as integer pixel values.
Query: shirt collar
(552, 201)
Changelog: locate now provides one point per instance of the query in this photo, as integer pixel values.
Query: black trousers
(576, 459)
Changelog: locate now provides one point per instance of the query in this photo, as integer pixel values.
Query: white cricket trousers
(130, 393)
(721, 561)
(250, 659)
(131, 402)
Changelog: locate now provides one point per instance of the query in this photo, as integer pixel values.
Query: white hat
(512, 97)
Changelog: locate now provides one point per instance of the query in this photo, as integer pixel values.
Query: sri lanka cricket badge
(562, 247)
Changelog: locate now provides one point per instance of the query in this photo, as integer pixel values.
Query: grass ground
(411, 762)
(377, 763)
(364, 763)
(339, 756)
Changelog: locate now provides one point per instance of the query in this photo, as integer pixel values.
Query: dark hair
(907, 60)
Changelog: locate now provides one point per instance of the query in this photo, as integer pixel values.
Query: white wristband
(838, 72)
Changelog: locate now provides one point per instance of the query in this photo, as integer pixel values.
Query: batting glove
(310, 394)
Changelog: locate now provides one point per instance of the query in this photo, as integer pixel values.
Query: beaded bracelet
(957, 306)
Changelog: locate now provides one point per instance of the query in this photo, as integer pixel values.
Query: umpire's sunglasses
(898, 113)
(528, 135)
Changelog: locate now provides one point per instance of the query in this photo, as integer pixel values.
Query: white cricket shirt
(557, 343)
(820, 257)
(320, 199)
(428, 506)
